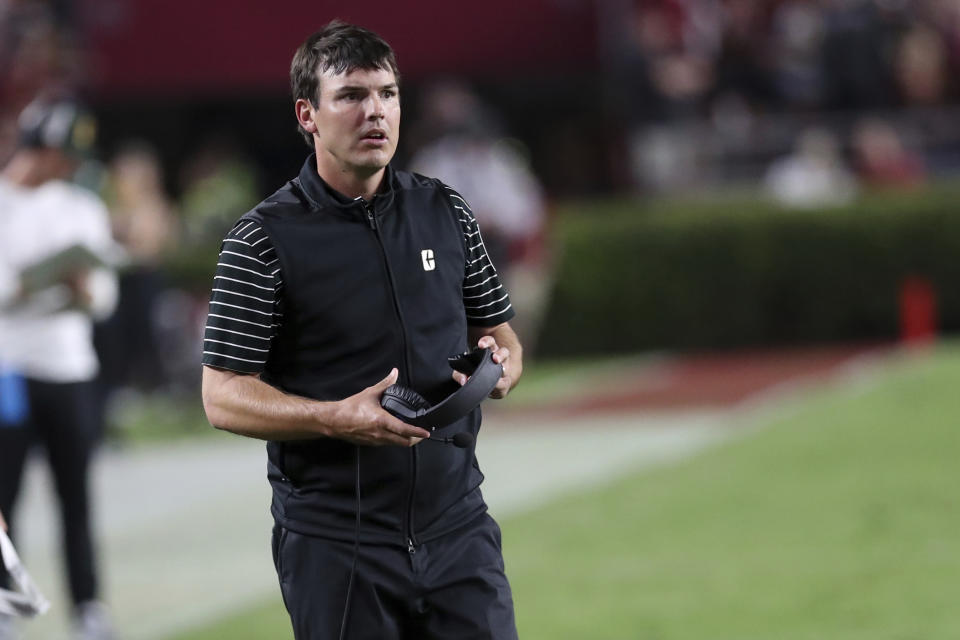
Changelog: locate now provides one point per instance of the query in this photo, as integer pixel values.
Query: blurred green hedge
(740, 271)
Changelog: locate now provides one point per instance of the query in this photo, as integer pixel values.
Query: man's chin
(373, 162)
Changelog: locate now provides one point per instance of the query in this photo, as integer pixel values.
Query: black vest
(368, 287)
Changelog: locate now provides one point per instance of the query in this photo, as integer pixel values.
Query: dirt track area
(708, 381)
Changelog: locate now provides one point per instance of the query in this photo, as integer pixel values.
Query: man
(54, 242)
(348, 279)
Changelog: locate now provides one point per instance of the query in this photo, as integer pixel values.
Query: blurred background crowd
(815, 97)
(805, 103)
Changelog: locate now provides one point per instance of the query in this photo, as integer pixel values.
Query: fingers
(386, 430)
(503, 387)
(404, 430)
(500, 354)
(365, 422)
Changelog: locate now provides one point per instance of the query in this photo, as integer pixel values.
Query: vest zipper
(374, 225)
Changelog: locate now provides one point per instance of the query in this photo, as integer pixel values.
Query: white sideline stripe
(259, 241)
(235, 240)
(233, 344)
(213, 567)
(210, 327)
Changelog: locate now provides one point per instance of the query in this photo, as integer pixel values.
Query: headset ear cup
(403, 402)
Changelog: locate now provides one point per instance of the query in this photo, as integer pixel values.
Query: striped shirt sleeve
(485, 299)
(245, 303)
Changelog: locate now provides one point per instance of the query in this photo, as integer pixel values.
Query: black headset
(412, 408)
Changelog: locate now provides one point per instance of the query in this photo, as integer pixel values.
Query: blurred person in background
(38, 53)
(351, 271)
(144, 223)
(814, 175)
(55, 243)
(921, 67)
(881, 159)
(492, 173)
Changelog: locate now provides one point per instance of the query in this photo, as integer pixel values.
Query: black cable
(356, 549)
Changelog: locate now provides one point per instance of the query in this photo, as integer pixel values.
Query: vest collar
(321, 195)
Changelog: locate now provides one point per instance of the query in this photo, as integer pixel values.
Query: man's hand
(3, 523)
(362, 421)
(501, 355)
(245, 405)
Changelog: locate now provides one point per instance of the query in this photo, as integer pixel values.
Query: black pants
(63, 418)
(452, 588)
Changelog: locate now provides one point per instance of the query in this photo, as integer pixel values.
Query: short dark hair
(339, 46)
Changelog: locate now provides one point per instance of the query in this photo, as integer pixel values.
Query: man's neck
(353, 184)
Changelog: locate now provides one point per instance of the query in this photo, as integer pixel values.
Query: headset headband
(412, 408)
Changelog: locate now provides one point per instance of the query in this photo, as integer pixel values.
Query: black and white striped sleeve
(244, 311)
(485, 299)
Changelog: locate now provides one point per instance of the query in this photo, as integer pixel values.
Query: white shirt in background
(39, 339)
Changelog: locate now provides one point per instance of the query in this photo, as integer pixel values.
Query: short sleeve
(485, 299)
(245, 303)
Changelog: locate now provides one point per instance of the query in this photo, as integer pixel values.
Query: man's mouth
(374, 135)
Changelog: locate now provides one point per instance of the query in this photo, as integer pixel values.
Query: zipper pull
(410, 548)
(371, 218)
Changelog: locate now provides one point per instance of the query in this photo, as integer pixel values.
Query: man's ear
(304, 111)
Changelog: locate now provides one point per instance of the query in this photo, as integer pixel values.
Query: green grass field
(838, 520)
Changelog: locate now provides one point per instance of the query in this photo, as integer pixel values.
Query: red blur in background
(154, 46)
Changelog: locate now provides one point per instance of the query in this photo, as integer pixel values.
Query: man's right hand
(362, 421)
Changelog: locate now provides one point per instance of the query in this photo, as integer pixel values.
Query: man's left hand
(501, 355)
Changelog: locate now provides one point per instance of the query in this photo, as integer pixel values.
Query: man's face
(356, 125)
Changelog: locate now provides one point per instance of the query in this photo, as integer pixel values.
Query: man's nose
(375, 108)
